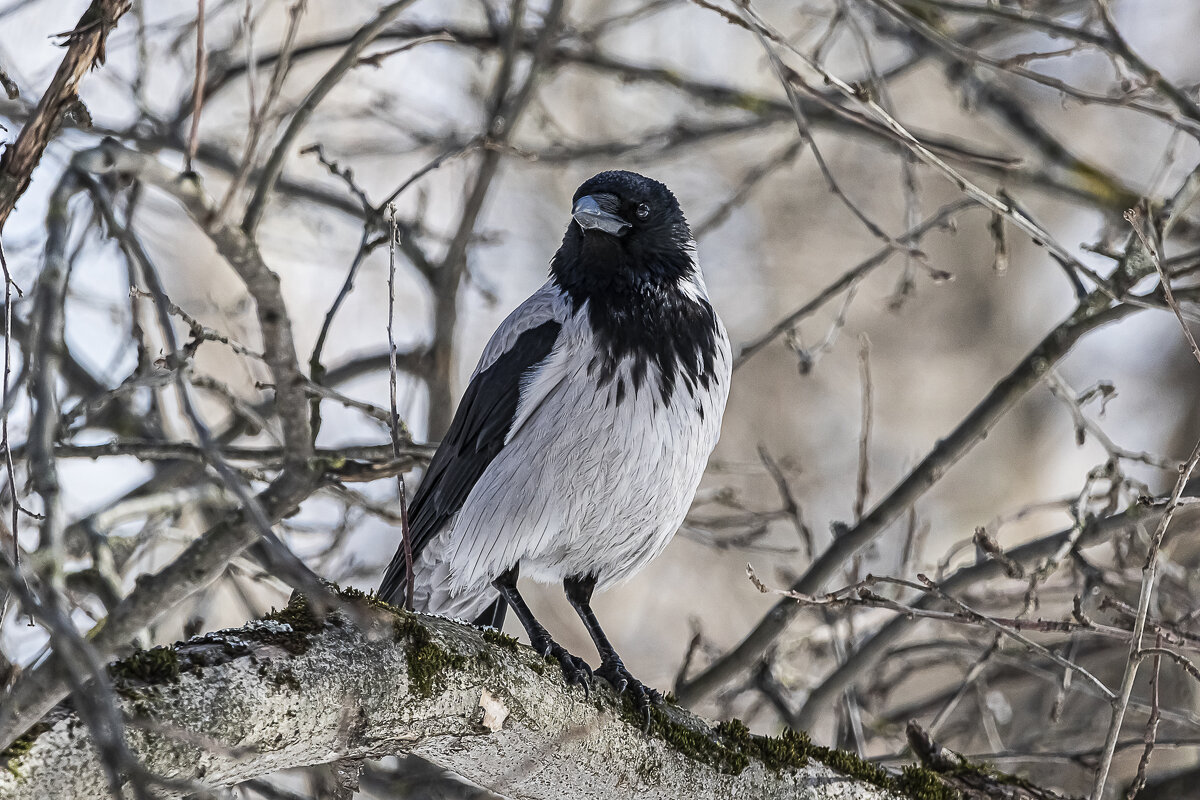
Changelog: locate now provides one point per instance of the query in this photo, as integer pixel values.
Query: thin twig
(1150, 567)
(1060, 389)
(790, 507)
(804, 130)
(5, 442)
(259, 115)
(862, 486)
(197, 88)
(394, 420)
(938, 219)
(1005, 627)
(349, 58)
(996, 204)
(1135, 219)
(970, 431)
(1149, 580)
(1151, 734)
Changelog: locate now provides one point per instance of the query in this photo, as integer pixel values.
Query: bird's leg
(612, 669)
(576, 672)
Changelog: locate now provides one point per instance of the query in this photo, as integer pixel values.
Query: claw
(576, 671)
(642, 696)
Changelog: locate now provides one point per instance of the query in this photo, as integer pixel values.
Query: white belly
(585, 486)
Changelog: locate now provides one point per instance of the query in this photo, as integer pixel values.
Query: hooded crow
(584, 431)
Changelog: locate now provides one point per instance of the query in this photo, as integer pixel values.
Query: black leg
(576, 672)
(579, 593)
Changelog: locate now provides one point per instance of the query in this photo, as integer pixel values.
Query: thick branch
(291, 691)
(85, 49)
(201, 563)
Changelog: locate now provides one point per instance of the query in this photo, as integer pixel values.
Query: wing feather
(489, 407)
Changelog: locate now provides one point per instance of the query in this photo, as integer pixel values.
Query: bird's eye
(642, 211)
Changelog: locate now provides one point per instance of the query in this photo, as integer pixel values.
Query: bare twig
(996, 204)
(1059, 388)
(971, 430)
(240, 251)
(862, 486)
(197, 88)
(1150, 567)
(1136, 220)
(394, 419)
(790, 507)
(1151, 734)
(259, 115)
(860, 594)
(1149, 581)
(937, 220)
(5, 442)
(274, 166)
(872, 648)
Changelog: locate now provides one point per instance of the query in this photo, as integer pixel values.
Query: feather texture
(586, 427)
(478, 432)
(594, 477)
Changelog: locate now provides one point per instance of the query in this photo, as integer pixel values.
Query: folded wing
(485, 416)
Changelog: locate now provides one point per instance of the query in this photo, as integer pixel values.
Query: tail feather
(431, 597)
(394, 586)
(493, 617)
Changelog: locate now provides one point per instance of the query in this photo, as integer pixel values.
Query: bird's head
(625, 230)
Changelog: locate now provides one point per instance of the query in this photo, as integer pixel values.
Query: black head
(627, 254)
(626, 233)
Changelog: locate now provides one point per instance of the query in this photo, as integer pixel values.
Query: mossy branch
(291, 690)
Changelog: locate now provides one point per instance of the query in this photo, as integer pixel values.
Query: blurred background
(785, 196)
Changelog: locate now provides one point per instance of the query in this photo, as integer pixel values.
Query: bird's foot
(642, 696)
(576, 671)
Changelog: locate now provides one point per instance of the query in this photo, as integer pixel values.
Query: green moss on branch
(730, 747)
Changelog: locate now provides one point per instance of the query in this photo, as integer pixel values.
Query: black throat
(638, 310)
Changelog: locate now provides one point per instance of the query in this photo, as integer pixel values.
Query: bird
(582, 436)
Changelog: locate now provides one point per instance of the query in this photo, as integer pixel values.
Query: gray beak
(597, 212)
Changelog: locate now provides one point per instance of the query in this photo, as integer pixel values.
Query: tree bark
(291, 691)
(85, 50)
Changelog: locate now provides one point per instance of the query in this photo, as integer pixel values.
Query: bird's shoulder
(546, 305)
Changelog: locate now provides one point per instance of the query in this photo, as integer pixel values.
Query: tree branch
(155, 595)
(972, 430)
(346, 62)
(292, 691)
(242, 254)
(85, 49)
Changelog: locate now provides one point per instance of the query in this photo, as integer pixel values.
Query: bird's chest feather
(641, 420)
(608, 445)
(665, 342)
(653, 364)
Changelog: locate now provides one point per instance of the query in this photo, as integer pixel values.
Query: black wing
(476, 436)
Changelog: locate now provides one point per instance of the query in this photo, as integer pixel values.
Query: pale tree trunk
(368, 682)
